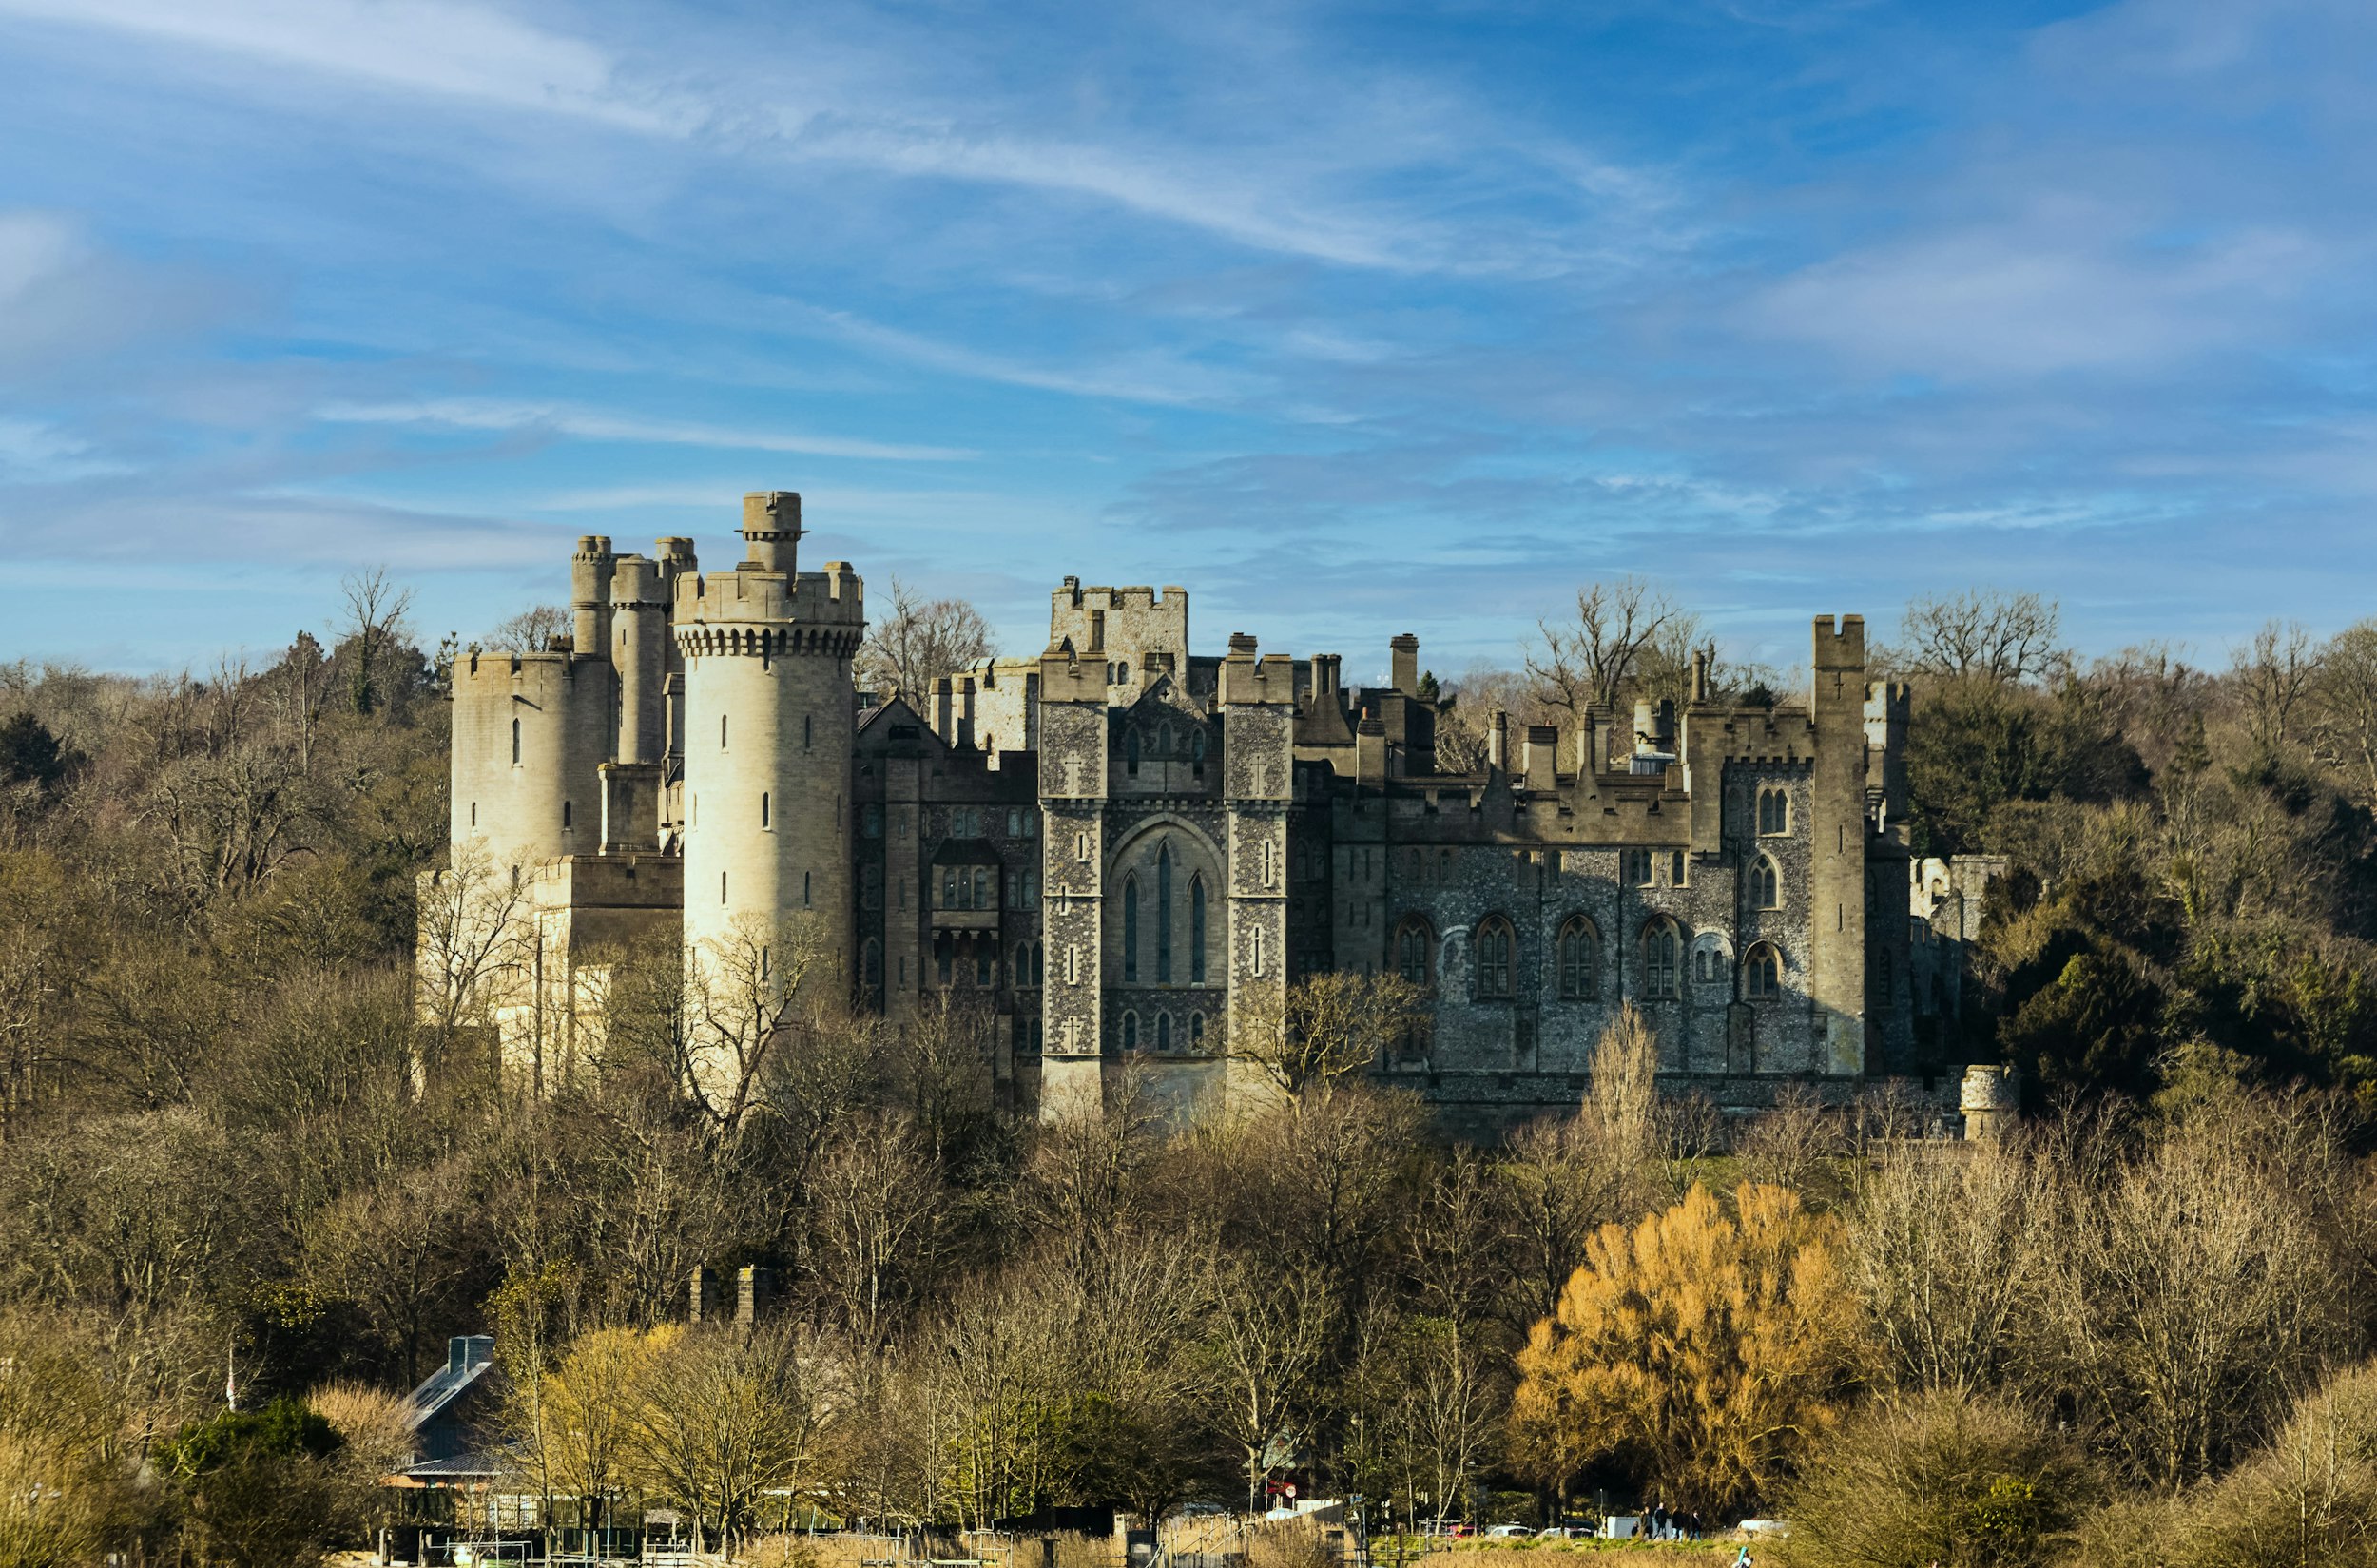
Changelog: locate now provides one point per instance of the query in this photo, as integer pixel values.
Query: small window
(565, 815)
(1131, 929)
(941, 963)
(1415, 945)
(1676, 869)
(1131, 1031)
(983, 888)
(985, 965)
(871, 822)
(1774, 812)
(474, 813)
(1581, 961)
(1130, 753)
(1163, 1031)
(1031, 823)
(1634, 867)
(1762, 973)
(1196, 749)
(805, 889)
(806, 722)
(766, 819)
(1015, 822)
(1196, 1030)
(1494, 960)
(1031, 898)
(1660, 952)
(1766, 885)
(1196, 930)
(722, 887)
(871, 962)
(515, 743)
(722, 732)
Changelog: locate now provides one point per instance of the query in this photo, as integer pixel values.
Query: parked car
(1509, 1532)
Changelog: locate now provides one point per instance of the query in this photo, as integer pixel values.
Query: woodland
(2136, 1331)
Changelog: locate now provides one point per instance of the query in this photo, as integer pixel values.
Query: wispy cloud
(591, 425)
(441, 46)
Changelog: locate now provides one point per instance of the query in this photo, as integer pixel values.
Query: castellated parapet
(1123, 852)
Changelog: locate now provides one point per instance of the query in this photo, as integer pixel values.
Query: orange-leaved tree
(1695, 1350)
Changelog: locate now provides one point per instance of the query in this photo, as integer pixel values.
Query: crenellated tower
(767, 712)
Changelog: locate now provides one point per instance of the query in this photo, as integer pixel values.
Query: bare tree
(474, 941)
(375, 631)
(2343, 706)
(2005, 638)
(1268, 1329)
(729, 1416)
(1586, 662)
(919, 641)
(874, 1200)
(1325, 1026)
(2276, 675)
(530, 631)
(742, 991)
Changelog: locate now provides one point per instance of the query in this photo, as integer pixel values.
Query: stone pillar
(1991, 1100)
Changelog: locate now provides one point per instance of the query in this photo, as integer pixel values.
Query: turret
(769, 720)
(771, 531)
(590, 595)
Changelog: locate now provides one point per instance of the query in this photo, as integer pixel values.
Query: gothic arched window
(1766, 885)
(1196, 1030)
(1580, 960)
(1163, 1031)
(1761, 972)
(1131, 1031)
(1493, 959)
(1196, 930)
(1164, 915)
(1131, 928)
(1774, 812)
(1415, 950)
(1662, 947)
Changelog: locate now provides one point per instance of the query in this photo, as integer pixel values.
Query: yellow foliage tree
(1696, 1349)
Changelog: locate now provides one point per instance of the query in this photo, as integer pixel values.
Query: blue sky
(1353, 320)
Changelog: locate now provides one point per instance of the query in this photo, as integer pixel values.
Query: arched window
(1163, 1031)
(1493, 959)
(1023, 964)
(1196, 1030)
(1761, 972)
(1196, 930)
(1766, 884)
(1131, 1031)
(871, 962)
(1661, 951)
(1196, 748)
(1774, 812)
(565, 814)
(1164, 915)
(765, 819)
(515, 743)
(984, 889)
(1130, 753)
(1415, 950)
(1131, 928)
(985, 964)
(1580, 960)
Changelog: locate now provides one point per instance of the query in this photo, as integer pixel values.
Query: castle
(1122, 846)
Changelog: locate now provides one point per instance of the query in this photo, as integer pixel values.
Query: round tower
(769, 715)
(530, 732)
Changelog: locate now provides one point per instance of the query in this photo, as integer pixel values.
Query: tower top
(772, 528)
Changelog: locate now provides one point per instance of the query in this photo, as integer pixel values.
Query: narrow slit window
(765, 819)
(515, 743)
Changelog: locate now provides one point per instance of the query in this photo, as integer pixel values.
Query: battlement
(834, 595)
(1119, 623)
(485, 671)
(1840, 643)
(1249, 677)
